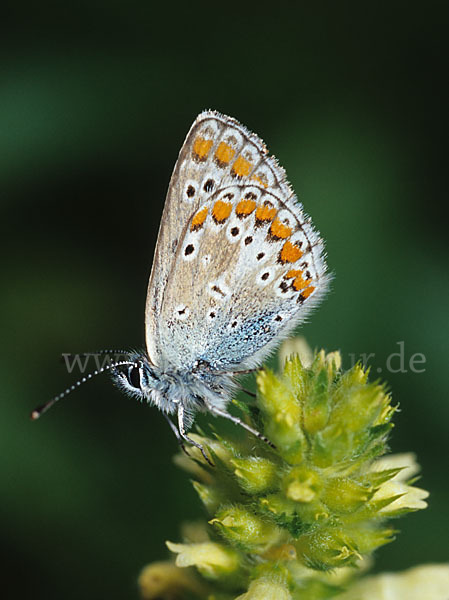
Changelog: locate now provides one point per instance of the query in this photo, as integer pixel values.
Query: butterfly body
(237, 266)
(166, 387)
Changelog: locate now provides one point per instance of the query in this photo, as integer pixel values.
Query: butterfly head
(137, 378)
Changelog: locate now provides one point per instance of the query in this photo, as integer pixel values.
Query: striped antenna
(40, 410)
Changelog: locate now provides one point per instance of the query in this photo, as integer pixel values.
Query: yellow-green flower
(265, 589)
(407, 497)
(427, 582)
(299, 520)
(212, 560)
(163, 580)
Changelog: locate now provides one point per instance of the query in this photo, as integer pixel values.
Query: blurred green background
(95, 101)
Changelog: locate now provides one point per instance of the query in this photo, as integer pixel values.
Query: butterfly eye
(134, 377)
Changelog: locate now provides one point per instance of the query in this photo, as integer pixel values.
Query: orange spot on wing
(299, 282)
(265, 213)
(261, 179)
(306, 293)
(224, 153)
(201, 148)
(245, 207)
(290, 252)
(279, 230)
(221, 211)
(199, 219)
(241, 167)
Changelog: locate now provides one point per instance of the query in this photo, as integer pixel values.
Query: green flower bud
(283, 415)
(302, 484)
(243, 528)
(255, 474)
(344, 495)
(328, 549)
(210, 495)
(317, 405)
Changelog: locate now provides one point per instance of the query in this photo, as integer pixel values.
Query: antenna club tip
(35, 414)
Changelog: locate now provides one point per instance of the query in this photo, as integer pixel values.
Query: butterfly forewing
(237, 263)
(194, 179)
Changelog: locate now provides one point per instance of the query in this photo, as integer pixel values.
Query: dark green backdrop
(95, 102)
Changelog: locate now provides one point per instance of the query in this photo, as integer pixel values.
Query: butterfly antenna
(126, 352)
(40, 410)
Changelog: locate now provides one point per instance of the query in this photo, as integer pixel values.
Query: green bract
(287, 523)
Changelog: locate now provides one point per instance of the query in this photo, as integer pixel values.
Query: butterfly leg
(177, 434)
(222, 413)
(183, 434)
(249, 392)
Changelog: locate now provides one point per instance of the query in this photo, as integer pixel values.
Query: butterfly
(237, 266)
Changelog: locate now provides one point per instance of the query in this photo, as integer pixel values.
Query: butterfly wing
(190, 185)
(248, 264)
